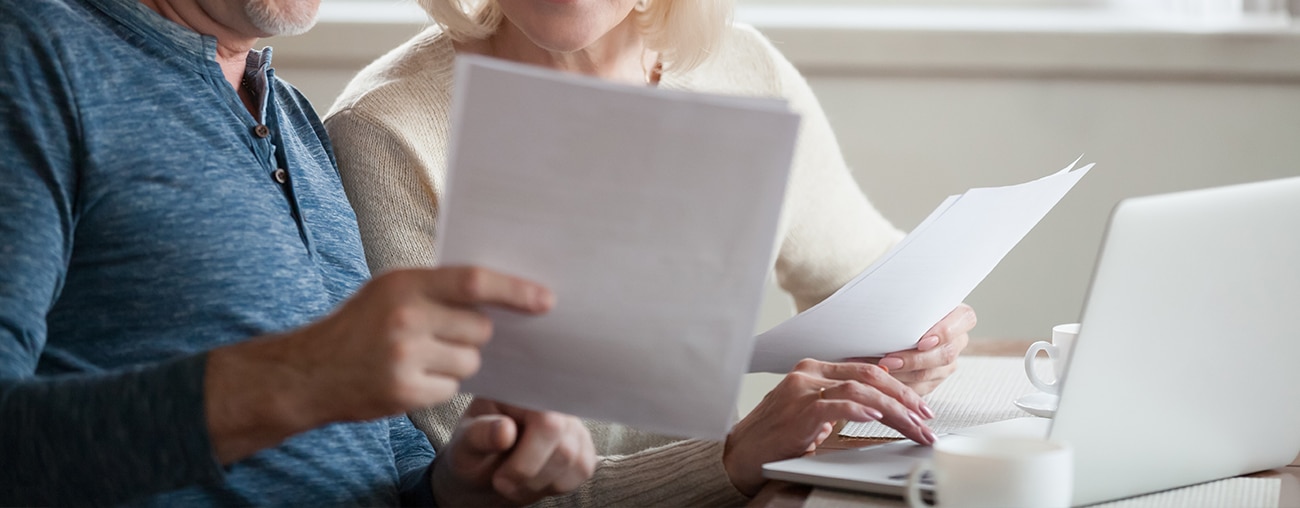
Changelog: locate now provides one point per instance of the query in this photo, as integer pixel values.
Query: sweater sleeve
(682, 473)
(396, 202)
(98, 438)
(832, 231)
(634, 468)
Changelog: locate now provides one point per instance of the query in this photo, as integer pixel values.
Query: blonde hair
(684, 32)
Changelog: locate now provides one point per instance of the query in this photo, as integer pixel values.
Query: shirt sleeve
(97, 438)
(414, 458)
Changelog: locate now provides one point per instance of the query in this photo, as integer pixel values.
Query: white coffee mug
(1058, 351)
(996, 472)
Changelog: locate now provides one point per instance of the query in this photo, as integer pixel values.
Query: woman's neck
(619, 55)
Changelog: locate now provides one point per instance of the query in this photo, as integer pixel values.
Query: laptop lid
(1187, 364)
(1184, 369)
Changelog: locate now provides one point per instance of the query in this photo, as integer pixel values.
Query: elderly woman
(391, 128)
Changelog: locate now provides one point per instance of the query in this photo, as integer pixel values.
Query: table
(779, 494)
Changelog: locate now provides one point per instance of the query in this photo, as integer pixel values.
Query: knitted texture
(391, 129)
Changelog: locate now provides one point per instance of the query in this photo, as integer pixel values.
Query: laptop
(1187, 364)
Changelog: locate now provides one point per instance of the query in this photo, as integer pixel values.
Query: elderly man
(175, 255)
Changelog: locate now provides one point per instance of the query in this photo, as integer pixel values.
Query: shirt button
(261, 131)
(280, 175)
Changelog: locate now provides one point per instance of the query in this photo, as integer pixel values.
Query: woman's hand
(934, 357)
(800, 412)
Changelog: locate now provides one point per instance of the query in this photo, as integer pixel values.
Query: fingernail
(916, 419)
(875, 413)
(926, 411)
(891, 363)
(927, 343)
(929, 435)
(543, 299)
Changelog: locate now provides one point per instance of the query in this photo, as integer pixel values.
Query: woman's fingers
(922, 377)
(938, 346)
(852, 397)
(872, 375)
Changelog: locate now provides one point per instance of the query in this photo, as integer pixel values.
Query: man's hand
(403, 341)
(501, 454)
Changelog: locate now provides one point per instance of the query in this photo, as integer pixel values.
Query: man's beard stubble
(282, 17)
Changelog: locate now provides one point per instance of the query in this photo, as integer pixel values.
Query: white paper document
(652, 216)
(889, 305)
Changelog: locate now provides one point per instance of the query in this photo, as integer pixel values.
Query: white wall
(927, 106)
(938, 136)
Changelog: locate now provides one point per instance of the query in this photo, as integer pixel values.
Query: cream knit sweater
(390, 130)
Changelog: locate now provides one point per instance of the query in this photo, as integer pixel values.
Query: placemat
(980, 391)
(1236, 492)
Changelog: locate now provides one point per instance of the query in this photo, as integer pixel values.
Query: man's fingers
(542, 434)
(477, 447)
(479, 286)
(516, 412)
(453, 361)
(543, 482)
(426, 390)
(460, 326)
(552, 450)
(488, 435)
(480, 406)
(553, 454)
(575, 476)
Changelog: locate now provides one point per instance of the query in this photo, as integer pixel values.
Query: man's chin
(289, 30)
(273, 23)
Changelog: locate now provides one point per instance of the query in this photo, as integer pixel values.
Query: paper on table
(889, 305)
(652, 216)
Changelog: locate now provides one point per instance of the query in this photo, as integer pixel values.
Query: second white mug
(996, 472)
(1058, 351)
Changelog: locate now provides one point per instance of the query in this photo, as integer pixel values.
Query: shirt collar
(132, 14)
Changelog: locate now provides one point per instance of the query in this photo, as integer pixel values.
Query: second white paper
(889, 305)
(651, 214)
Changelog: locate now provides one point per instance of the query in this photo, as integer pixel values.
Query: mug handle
(913, 496)
(1031, 367)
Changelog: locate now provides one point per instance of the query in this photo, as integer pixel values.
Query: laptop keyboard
(926, 479)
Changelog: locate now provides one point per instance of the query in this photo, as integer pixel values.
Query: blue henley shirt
(145, 218)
